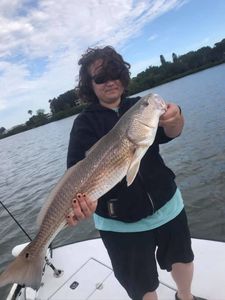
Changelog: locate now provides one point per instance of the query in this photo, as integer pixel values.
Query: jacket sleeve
(82, 138)
(161, 137)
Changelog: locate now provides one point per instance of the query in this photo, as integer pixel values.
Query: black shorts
(133, 254)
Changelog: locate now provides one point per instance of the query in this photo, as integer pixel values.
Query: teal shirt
(165, 214)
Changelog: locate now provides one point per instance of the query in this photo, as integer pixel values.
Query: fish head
(142, 128)
(151, 107)
(145, 118)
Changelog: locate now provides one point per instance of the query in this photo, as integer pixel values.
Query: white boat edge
(86, 265)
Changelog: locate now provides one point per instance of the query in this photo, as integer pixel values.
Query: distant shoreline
(77, 109)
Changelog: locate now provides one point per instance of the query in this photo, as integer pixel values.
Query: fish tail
(26, 269)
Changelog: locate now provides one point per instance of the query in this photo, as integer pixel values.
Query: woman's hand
(83, 207)
(172, 120)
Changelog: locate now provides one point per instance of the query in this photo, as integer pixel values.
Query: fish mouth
(146, 125)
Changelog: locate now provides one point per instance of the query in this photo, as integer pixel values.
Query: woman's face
(109, 93)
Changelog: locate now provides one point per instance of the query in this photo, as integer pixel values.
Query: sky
(42, 41)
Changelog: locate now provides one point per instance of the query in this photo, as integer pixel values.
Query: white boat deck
(87, 274)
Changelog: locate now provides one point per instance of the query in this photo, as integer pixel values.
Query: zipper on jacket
(147, 193)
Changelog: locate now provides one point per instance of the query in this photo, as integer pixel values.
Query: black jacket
(154, 184)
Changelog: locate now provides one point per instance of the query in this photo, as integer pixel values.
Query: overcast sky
(41, 42)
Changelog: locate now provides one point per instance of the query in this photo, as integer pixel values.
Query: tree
(162, 59)
(39, 119)
(40, 112)
(63, 102)
(218, 51)
(174, 57)
(30, 112)
(2, 130)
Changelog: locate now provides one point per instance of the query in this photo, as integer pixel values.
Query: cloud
(41, 42)
(153, 37)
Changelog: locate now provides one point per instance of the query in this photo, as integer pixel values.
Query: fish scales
(93, 187)
(111, 171)
(116, 155)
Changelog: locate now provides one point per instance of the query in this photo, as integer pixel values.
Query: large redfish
(114, 156)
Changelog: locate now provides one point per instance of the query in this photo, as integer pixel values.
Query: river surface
(33, 161)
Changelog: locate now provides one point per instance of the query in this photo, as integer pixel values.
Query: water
(33, 161)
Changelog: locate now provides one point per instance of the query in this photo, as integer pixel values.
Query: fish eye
(145, 103)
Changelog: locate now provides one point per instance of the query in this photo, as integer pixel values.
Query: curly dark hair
(111, 60)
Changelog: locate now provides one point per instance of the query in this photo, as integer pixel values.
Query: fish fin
(25, 269)
(132, 172)
(135, 164)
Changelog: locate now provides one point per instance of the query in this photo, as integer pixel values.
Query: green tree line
(180, 66)
(68, 103)
(65, 105)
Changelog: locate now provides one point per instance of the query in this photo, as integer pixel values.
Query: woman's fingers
(83, 207)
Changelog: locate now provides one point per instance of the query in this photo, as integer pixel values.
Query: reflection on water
(33, 161)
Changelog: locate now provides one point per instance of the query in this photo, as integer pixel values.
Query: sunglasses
(105, 76)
